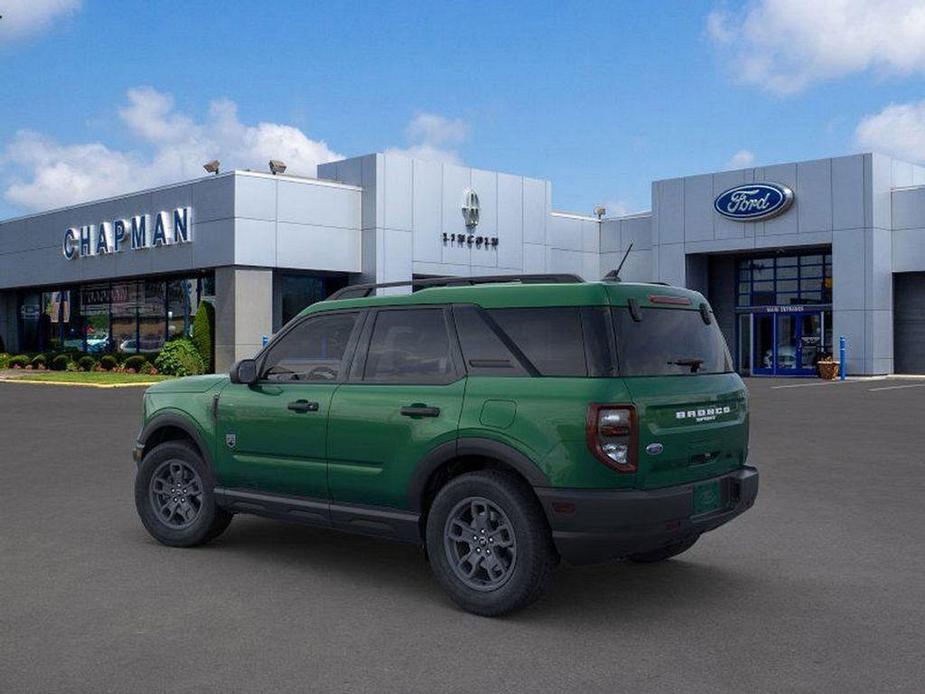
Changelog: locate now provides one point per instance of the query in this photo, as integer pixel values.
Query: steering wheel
(322, 373)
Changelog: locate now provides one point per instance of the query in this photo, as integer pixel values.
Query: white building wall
(409, 205)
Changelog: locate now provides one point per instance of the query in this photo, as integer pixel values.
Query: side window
(551, 338)
(312, 351)
(409, 346)
(485, 353)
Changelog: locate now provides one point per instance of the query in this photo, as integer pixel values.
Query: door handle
(420, 411)
(302, 406)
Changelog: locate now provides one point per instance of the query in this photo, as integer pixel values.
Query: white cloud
(25, 17)
(434, 137)
(741, 159)
(899, 129)
(785, 45)
(43, 173)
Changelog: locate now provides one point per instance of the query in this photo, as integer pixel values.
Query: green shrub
(39, 361)
(20, 361)
(87, 363)
(4, 360)
(179, 358)
(203, 335)
(60, 363)
(136, 362)
(109, 362)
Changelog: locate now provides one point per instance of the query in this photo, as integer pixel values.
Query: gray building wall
(408, 204)
(617, 233)
(239, 220)
(845, 202)
(382, 217)
(908, 217)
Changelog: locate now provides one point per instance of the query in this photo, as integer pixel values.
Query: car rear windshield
(669, 342)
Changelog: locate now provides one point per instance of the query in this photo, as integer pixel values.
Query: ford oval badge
(654, 448)
(754, 202)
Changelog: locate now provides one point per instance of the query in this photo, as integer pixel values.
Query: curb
(78, 385)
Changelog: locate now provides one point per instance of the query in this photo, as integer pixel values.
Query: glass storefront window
(181, 307)
(785, 280)
(94, 308)
(128, 316)
(124, 308)
(151, 320)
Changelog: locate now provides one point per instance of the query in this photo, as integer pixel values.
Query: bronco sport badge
(703, 414)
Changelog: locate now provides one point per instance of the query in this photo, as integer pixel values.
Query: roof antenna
(614, 275)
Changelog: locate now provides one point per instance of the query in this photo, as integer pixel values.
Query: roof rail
(363, 290)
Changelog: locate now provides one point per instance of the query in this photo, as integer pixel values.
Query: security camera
(277, 166)
(212, 166)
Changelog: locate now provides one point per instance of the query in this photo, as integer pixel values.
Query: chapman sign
(141, 231)
(754, 202)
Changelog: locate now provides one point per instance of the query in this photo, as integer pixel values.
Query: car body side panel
(544, 418)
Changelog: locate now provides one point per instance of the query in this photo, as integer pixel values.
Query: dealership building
(791, 256)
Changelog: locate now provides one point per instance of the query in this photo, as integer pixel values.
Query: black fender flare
(471, 446)
(171, 419)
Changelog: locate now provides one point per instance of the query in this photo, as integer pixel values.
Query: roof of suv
(518, 295)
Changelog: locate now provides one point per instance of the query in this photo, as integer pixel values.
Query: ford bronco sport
(502, 423)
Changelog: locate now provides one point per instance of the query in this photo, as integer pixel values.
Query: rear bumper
(594, 525)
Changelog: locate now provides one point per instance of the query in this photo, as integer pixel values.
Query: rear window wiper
(692, 362)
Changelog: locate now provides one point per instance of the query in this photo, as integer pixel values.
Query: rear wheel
(488, 543)
(666, 552)
(174, 496)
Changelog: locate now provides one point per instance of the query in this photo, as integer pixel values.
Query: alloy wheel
(480, 545)
(176, 494)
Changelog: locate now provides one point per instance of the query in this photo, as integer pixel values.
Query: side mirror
(245, 371)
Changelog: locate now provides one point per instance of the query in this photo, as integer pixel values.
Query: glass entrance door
(786, 344)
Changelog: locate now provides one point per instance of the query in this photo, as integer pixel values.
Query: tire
(666, 552)
(480, 512)
(189, 518)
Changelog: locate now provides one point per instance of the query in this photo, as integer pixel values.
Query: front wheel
(174, 496)
(666, 552)
(489, 544)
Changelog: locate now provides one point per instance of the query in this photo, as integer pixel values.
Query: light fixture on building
(277, 166)
(600, 211)
(212, 166)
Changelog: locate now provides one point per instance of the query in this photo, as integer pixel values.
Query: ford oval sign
(754, 202)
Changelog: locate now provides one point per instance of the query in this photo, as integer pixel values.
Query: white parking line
(806, 385)
(908, 385)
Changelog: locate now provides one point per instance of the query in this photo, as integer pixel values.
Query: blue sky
(600, 98)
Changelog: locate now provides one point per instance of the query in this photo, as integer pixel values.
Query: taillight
(611, 433)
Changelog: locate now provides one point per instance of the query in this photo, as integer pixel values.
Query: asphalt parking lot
(819, 588)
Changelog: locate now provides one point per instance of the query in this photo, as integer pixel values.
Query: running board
(377, 521)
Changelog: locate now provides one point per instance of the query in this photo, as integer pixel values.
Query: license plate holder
(708, 497)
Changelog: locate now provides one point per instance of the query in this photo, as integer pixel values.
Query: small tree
(203, 334)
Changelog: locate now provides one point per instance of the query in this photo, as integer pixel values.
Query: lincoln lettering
(166, 228)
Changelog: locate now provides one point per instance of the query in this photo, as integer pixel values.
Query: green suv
(501, 423)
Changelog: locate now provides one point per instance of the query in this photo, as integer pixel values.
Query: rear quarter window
(551, 338)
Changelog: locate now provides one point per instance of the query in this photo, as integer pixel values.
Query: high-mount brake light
(668, 299)
(612, 435)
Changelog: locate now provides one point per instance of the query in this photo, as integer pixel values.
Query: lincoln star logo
(703, 414)
(470, 208)
(754, 202)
